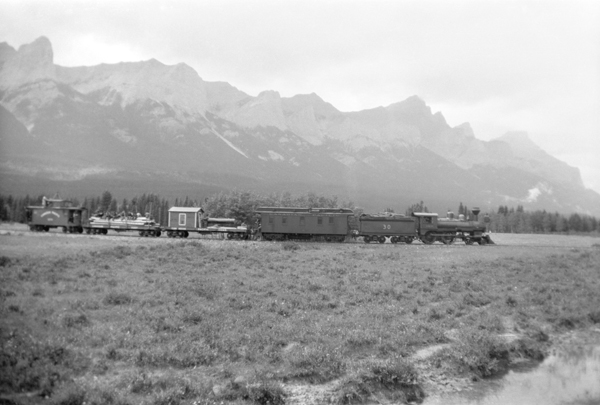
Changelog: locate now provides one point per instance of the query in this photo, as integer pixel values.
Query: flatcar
(101, 224)
(55, 213)
(183, 220)
(316, 224)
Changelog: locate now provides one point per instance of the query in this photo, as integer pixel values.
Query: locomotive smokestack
(476, 212)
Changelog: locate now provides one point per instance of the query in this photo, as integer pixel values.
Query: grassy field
(128, 320)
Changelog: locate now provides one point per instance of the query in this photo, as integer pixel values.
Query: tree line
(511, 220)
(242, 204)
(234, 204)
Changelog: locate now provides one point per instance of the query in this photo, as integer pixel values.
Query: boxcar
(55, 213)
(319, 224)
(376, 228)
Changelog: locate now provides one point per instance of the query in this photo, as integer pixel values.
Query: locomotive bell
(475, 212)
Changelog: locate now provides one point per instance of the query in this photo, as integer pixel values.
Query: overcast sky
(502, 66)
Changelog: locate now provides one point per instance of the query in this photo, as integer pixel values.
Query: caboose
(55, 213)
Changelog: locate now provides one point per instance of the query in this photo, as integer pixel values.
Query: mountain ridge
(166, 119)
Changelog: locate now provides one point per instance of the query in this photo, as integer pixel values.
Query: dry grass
(136, 320)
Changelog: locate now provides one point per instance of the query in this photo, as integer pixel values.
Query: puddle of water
(568, 377)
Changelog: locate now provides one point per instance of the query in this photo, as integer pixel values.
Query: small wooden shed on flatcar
(185, 218)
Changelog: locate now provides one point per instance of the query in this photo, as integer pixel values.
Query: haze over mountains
(148, 127)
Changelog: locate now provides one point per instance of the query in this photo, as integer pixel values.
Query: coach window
(330, 220)
(428, 220)
(319, 220)
(181, 219)
(270, 220)
(302, 223)
(283, 220)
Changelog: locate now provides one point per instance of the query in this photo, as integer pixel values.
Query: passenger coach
(318, 224)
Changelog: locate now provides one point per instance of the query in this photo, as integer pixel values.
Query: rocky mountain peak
(39, 51)
(299, 102)
(6, 52)
(31, 62)
(518, 140)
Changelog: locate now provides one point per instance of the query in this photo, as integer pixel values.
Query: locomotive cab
(427, 225)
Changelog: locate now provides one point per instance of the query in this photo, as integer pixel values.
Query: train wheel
(482, 241)
(157, 234)
(64, 229)
(394, 239)
(141, 233)
(381, 239)
(46, 229)
(367, 239)
(88, 230)
(408, 240)
(105, 231)
(186, 234)
(447, 240)
(230, 235)
(428, 239)
(469, 241)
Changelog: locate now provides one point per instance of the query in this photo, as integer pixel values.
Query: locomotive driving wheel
(428, 238)
(447, 240)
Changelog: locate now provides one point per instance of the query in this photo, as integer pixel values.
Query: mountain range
(136, 127)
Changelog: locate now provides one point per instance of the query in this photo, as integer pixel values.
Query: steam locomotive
(333, 224)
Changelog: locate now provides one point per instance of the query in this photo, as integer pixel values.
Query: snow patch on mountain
(539, 189)
(275, 156)
(231, 145)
